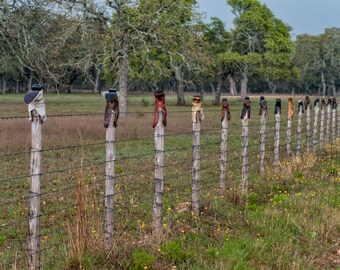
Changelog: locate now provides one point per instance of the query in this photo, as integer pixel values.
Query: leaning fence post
(289, 125)
(159, 122)
(225, 117)
(245, 115)
(197, 116)
(334, 106)
(328, 120)
(298, 142)
(110, 123)
(307, 108)
(263, 114)
(37, 115)
(277, 133)
(315, 130)
(322, 122)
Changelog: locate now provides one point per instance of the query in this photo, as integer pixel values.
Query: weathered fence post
(37, 115)
(110, 123)
(289, 125)
(159, 122)
(245, 115)
(225, 117)
(197, 117)
(298, 141)
(277, 133)
(263, 114)
(322, 122)
(328, 121)
(334, 106)
(307, 108)
(315, 129)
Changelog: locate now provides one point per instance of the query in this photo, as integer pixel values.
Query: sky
(304, 16)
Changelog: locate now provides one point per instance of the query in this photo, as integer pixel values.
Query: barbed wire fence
(70, 206)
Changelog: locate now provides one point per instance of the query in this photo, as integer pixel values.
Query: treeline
(147, 44)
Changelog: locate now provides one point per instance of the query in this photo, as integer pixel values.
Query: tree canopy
(150, 44)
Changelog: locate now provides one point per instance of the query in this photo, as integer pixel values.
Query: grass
(289, 219)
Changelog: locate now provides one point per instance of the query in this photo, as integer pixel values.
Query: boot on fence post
(37, 115)
(299, 130)
(307, 109)
(328, 121)
(334, 106)
(315, 129)
(159, 122)
(289, 125)
(245, 115)
(277, 133)
(197, 117)
(225, 117)
(322, 122)
(263, 115)
(110, 123)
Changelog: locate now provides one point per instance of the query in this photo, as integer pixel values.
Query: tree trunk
(3, 86)
(244, 86)
(333, 88)
(232, 85)
(212, 88)
(272, 87)
(123, 86)
(17, 87)
(202, 89)
(323, 84)
(180, 93)
(29, 80)
(219, 91)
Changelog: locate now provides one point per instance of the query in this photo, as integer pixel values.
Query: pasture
(288, 220)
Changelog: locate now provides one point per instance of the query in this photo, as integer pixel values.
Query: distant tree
(331, 50)
(218, 41)
(262, 41)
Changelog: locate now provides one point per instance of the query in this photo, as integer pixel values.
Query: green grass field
(289, 219)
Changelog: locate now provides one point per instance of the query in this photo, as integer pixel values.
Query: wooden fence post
(322, 122)
(307, 108)
(328, 120)
(245, 115)
(159, 123)
(334, 105)
(225, 117)
(263, 115)
(110, 123)
(37, 114)
(289, 125)
(197, 116)
(277, 133)
(315, 129)
(298, 142)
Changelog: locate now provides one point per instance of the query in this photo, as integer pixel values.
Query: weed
(142, 260)
(174, 252)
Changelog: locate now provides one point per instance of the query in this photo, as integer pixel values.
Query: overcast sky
(304, 16)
